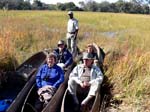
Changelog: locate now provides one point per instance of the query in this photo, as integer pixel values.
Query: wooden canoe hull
(26, 70)
(55, 102)
(28, 105)
(34, 62)
(68, 103)
(93, 105)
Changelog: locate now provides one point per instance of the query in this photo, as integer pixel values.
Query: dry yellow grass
(125, 36)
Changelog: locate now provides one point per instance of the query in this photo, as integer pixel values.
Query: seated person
(85, 75)
(48, 80)
(63, 55)
(90, 49)
(98, 61)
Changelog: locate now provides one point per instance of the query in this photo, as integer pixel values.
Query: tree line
(134, 6)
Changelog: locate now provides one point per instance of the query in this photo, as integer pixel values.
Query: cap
(88, 55)
(61, 42)
(70, 12)
(90, 45)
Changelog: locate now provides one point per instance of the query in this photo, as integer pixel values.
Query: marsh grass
(22, 33)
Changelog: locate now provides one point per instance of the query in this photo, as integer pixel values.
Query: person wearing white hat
(64, 57)
(72, 31)
(85, 75)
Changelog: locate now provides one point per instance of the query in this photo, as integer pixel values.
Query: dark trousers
(39, 105)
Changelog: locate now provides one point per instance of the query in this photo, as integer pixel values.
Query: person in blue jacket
(64, 56)
(48, 79)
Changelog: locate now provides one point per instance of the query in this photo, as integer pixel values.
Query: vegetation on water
(124, 37)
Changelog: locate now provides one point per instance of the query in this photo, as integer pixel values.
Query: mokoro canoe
(68, 103)
(93, 104)
(55, 102)
(14, 90)
(34, 62)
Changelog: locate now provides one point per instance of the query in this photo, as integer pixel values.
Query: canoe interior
(15, 81)
(92, 106)
(33, 62)
(54, 104)
(29, 103)
(68, 103)
(12, 87)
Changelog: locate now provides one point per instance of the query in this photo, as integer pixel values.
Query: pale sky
(75, 1)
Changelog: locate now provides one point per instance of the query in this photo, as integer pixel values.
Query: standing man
(72, 31)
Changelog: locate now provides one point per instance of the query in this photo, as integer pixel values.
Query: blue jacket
(46, 75)
(65, 57)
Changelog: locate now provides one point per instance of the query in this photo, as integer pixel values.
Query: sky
(75, 1)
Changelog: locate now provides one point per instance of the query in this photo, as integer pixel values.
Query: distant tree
(37, 5)
(14, 4)
(24, 6)
(70, 6)
(61, 6)
(2, 4)
(82, 5)
(134, 6)
(120, 5)
(146, 9)
(145, 5)
(104, 6)
(52, 7)
(113, 8)
(141, 1)
(91, 6)
(67, 6)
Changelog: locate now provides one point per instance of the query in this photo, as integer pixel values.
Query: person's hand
(82, 85)
(39, 91)
(86, 84)
(64, 67)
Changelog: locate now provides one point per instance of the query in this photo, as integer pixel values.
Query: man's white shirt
(72, 25)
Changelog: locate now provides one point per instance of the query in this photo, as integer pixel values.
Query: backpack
(4, 104)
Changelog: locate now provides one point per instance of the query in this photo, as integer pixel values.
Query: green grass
(22, 33)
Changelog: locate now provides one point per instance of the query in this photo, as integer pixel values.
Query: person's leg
(92, 92)
(73, 45)
(38, 105)
(68, 41)
(72, 86)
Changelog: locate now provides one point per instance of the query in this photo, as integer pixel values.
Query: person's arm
(99, 76)
(61, 79)
(76, 33)
(69, 59)
(75, 75)
(76, 27)
(38, 78)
